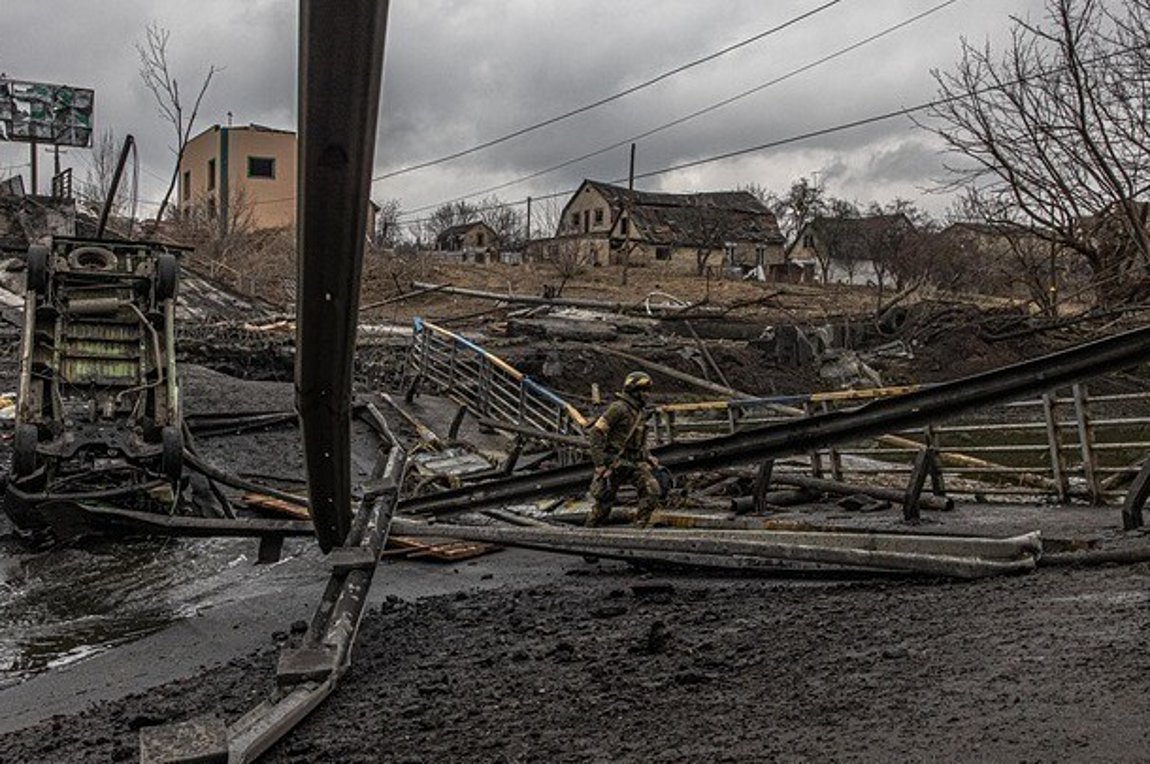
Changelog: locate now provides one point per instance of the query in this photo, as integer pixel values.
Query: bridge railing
(451, 365)
(1066, 444)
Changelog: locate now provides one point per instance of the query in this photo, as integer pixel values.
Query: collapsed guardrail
(488, 386)
(913, 409)
(308, 674)
(1078, 445)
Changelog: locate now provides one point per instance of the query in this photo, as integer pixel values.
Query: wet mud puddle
(62, 606)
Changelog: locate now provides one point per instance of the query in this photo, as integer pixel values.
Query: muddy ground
(616, 665)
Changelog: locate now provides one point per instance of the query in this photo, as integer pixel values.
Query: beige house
(476, 235)
(251, 165)
(683, 232)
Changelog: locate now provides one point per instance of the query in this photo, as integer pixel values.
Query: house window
(662, 253)
(574, 219)
(211, 175)
(586, 221)
(808, 241)
(599, 216)
(479, 239)
(187, 185)
(760, 255)
(261, 167)
(624, 226)
(729, 253)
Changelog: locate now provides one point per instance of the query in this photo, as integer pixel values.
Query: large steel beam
(340, 69)
(913, 409)
(934, 555)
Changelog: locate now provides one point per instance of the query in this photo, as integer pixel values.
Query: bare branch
(156, 74)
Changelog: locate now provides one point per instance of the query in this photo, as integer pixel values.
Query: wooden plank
(440, 548)
(454, 552)
(274, 506)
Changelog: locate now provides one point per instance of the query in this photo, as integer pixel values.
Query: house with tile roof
(725, 230)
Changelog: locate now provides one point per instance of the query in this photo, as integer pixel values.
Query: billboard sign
(53, 114)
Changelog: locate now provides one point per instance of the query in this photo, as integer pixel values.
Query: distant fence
(1065, 445)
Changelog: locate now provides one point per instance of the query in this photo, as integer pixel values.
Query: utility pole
(631, 172)
(35, 174)
(528, 238)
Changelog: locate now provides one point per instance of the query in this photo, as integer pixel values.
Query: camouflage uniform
(619, 443)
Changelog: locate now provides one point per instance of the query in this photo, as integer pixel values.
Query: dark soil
(621, 667)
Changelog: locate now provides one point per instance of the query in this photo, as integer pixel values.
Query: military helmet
(637, 380)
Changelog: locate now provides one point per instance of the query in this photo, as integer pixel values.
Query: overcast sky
(458, 73)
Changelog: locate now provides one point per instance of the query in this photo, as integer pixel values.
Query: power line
(748, 150)
(840, 127)
(695, 114)
(607, 99)
(790, 139)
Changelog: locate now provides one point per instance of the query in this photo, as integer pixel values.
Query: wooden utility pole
(528, 238)
(35, 174)
(631, 172)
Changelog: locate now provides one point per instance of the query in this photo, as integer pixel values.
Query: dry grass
(386, 276)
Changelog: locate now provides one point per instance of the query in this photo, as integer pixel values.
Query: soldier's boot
(643, 516)
(598, 515)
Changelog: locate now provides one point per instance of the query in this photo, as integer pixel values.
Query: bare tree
(216, 240)
(889, 236)
(446, 216)
(157, 75)
(546, 216)
(758, 191)
(1051, 136)
(802, 203)
(505, 220)
(93, 192)
(834, 236)
(566, 259)
(709, 229)
(388, 231)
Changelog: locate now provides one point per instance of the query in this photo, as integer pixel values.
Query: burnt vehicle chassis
(98, 408)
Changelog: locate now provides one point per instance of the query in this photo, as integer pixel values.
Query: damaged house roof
(692, 219)
(853, 238)
(452, 237)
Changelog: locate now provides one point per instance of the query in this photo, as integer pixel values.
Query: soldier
(619, 452)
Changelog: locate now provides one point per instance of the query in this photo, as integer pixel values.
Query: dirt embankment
(621, 667)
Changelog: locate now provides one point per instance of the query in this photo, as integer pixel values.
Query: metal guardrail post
(1136, 499)
(816, 456)
(937, 485)
(836, 458)
(426, 342)
(922, 462)
(1054, 439)
(1086, 442)
(451, 365)
(483, 389)
(763, 485)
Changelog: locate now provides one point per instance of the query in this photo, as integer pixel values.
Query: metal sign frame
(41, 112)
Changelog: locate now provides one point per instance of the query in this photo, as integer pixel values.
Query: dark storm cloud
(462, 72)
